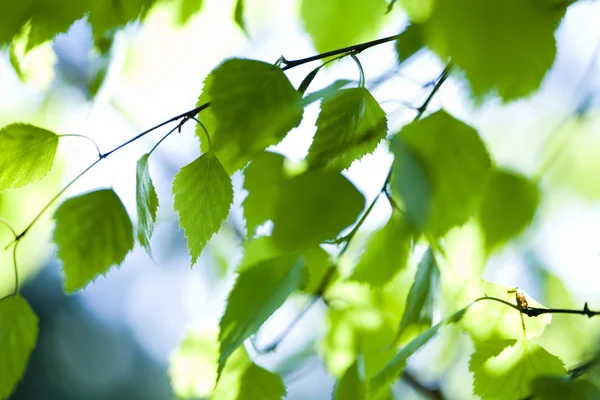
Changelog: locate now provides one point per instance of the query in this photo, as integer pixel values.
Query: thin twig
(430, 393)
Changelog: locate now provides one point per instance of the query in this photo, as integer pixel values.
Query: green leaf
(314, 207)
(505, 369)
(258, 292)
(395, 367)
(350, 126)
(238, 15)
(203, 195)
(262, 179)
(340, 23)
(563, 388)
(106, 16)
(418, 10)
(26, 155)
(259, 384)
(350, 386)
(386, 253)
(187, 8)
(253, 106)
(193, 365)
(502, 45)
(325, 93)
(318, 263)
(411, 183)
(456, 165)
(18, 337)
(508, 206)
(420, 297)
(147, 203)
(409, 43)
(93, 232)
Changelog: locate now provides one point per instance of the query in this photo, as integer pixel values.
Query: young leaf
(203, 194)
(505, 369)
(253, 106)
(147, 203)
(18, 336)
(386, 253)
(258, 292)
(409, 42)
(350, 126)
(456, 165)
(262, 179)
(563, 387)
(340, 23)
(93, 232)
(394, 368)
(421, 292)
(502, 45)
(26, 154)
(318, 263)
(508, 205)
(350, 386)
(259, 384)
(314, 207)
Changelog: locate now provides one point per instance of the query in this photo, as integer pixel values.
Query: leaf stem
(205, 132)
(84, 137)
(361, 79)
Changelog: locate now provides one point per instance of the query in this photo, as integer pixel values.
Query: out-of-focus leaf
(147, 203)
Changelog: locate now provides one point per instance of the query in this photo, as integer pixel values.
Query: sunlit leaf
(563, 387)
(505, 369)
(418, 10)
(203, 195)
(350, 125)
(318, 263)
(506, 46)
(350, 386)
(455, 164)
(339, 23)
(18, 337)
(419, 302)
(386, 253)
(147, 203)
(508, 206)
(26, 154)
(314, 207)
(106, 16)
(253, 106)
(262, 179)
(193, 366)
(259, 384)
(93, 232)
(257, 293)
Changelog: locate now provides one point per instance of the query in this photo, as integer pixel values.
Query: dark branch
(537, 311)
(430, 393)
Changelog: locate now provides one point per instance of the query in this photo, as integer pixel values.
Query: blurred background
(115, 338)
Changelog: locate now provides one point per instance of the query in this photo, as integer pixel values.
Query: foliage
(442, 178)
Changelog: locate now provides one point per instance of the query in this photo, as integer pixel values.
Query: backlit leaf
(18, 337)
(350, 125)
(555, 387)
(386, 253)
(238, 15)
(340, 23)
(203, 195)
(314, 207)
(262, 179)
(456, 165)
(508, 206)
(26, 154)
(259, 384)
(502, 45)
(253, 106)
(409, 42)
(93, 232)
(350, 386)
(420, 298)
(258, 292)
(147, 203)
(505, 369)
(187, 8)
